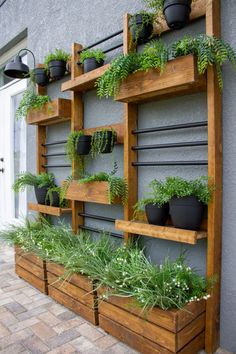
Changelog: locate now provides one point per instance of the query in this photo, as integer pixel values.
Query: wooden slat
(29, 256)
(75, 306)
(41, 149)
(95, 192)
(179, 77)
(30, 267)
(84, 82)
(162, 232)
(119, 128)
(73, 291)
(31, 279)
(214, 246)
(59, 110)
(193, 329)
(46, 209)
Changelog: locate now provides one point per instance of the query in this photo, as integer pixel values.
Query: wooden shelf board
(84, 82)
(119, 128)
(46, 209)
(94, 192)
(162, 232)
(179, 78)
(57, 111)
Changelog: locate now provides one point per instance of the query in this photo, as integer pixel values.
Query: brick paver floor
(31, 322)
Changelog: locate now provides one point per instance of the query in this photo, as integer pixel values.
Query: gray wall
(58, 23)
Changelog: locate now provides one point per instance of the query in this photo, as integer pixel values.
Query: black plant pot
(57, 69)
(92, 64)
(40, 76)
(84, 145)
(56, 200)
(157, 215)
(140, 32)
(40, 194)
(109, 145)
(177, 13)
(186, 212)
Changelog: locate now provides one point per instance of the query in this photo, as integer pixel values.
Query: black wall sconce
(16, 69)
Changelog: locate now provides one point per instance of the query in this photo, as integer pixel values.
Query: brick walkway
(31, 322)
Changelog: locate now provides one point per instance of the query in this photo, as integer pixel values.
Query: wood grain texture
(119, 129)
(41, 149)
(30, 267)
(29, 256)
(179, 77)
(49, 210)
(162, 232)
(31, 279)
(76, 70)
(95, 192)
(59, 110)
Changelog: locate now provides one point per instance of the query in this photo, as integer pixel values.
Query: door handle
(2, 170)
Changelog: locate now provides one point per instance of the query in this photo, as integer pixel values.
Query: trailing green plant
(148, 18)
(97, 54)
(71, 149)
(154, 56)
(63, 203)
(25, 179)
(58, 54)
(100, 140)
(117, 185)
(209, 51)
(30, 101)
(157, 6)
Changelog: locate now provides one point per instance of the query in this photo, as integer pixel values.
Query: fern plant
(30, 101)
(209, 51)
(71, 149)
(55, 190)
(136, 28)
(25, 179)
(102, 140)
(58, 54)
(97, 54)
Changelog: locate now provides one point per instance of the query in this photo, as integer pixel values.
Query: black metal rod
(113, 48)
(97, 217)
(171, 163)
(93, 229)
(170, 145)
(52, 155)
(170, 127)
(55, 143)
(52, 166)
(102, 40)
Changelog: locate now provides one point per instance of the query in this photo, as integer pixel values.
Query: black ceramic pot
(92, 64)
(109, 144)
(84, 145)
(186, 212)
(177, 13)
(157, 215)
(40, 194)
(56, 200)
(140, 32)
(40, 76)
(57, 69)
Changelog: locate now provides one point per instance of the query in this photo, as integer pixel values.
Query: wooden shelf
(54, 112)
(84, 82)
(119, 129)
(162, 232)
(94, 192)
(180, 77)
(46, 209)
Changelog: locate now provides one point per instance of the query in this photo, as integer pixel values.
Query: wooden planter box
(31, 268)
(156, 332)
(94, 192)
(76, 293)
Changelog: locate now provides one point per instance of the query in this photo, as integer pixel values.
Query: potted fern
(103, 142)
(141, 27)
(156, 205)
(55, 63)
(92, 59)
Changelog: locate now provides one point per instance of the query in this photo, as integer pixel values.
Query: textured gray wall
(58, 23)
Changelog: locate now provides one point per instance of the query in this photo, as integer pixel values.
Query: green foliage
(25, 179)
(58, 54)
(147, 19)
(97, 54)
(156, 5)
(154, 56)
(50, 196)
(71, 149)
(30, 101)
(209, 51)
(117, 185)
(100, 141)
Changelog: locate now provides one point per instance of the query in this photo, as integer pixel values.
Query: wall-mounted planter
(40, 76)
(41, 194)
(84, 145)
(140, 32)
(158, 331)
(104, 139)
(157, 215)
(177, 13)
(92, 64)
(49, 210)
(75, 293)
(57, 111)
(57, 69)
(31, 268)
(94, 192)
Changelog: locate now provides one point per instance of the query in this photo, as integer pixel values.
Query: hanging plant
(103, 142)
(55, 63)
(73, 148)
(39, 76)
(92, 59)
(141, 27)
(30, 101)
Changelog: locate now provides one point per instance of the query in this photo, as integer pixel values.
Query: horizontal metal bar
(171, 163)
(52, 166)
(55, 143)
(170, 145)
(102, 40)
(97, 217)
(52, 155)
(93, 229)
(113, 48)
(170, 127)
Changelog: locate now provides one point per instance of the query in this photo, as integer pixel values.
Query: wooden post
(77, 120)
(214, 102)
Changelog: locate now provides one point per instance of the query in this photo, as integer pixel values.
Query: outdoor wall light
(16, 68)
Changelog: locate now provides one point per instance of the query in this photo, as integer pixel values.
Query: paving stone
(15, 337)
(3, 331)
(64, 326)
(89, 331)
(43, 331)
(105, 342)
(68, 315)
(82, 344)
(64, 349)
(57, 309)
(23, 324)
(13, 349)
(63, 338)
(31, 313)
(22, 299)
(49, 319)
(35, 345)
(8, 319)
(15, 308)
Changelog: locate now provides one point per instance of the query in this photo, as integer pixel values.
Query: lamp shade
(16, 69)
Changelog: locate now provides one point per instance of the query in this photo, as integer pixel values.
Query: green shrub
(30, 101)
(58, 54)
(97, 54)
(25, 179)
